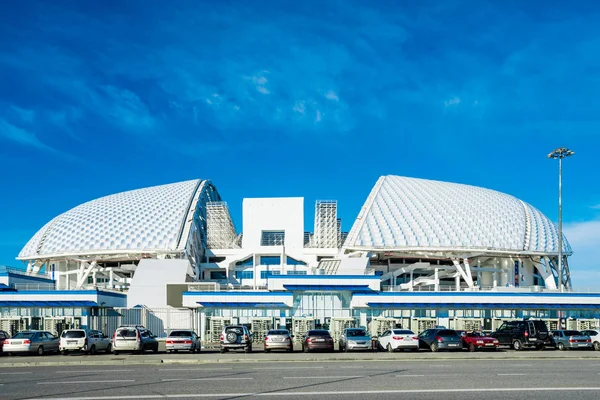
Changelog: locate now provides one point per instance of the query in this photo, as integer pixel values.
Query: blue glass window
(244, 275)
(263, 274)
(291, 261)
(218, 275)
(296, 272)
(270, 260)
(248, 262)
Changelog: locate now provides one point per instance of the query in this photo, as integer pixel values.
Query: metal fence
(159, 321)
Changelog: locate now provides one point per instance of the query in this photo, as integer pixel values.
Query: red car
(477, 340)
(3, 337)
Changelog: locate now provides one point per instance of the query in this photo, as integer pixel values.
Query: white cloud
(319, 116)
(262, 89)
(300, 107)
(22, 136)
(596, 207)
(331, 95)
(584, 238)
(453, 102)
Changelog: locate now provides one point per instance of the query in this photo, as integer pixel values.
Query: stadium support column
(436, 275)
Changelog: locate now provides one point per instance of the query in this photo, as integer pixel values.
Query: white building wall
(273, 214)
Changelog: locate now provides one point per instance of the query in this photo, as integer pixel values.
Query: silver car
(135, 339)
(278, 339)
(40, 342)
(355, 339)
(183, 340)
(569, 339)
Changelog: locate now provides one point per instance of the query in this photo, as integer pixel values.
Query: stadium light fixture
(559, 154)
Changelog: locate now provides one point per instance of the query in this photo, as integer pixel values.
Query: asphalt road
(448, 379)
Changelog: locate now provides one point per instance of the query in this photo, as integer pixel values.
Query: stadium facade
(420, 253)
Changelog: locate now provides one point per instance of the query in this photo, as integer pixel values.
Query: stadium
(420, 253)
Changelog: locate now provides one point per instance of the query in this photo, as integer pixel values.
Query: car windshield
(127, 333)
(73, 334)
(318, 333)
(24, 335)
(403, 332)
(357, 332)
(278, 332)
(447, 333)
(475, 334)
(572, 333)
(180, 334)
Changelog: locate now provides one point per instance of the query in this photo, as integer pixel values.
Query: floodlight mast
(559, 154)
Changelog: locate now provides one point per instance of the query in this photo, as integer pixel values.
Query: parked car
(399, 339)
(440, 339)
(88, 341)
(521, 334)
(279, 339)
(478, 340)
(236, 337)
(184, 340)
(317, 339)
(594, 334)
(569, 339)
(3, 336)
(40, 342)
(355, 339)
(134, 339)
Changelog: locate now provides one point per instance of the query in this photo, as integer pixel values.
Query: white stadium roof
(152, 219)
(417, 215)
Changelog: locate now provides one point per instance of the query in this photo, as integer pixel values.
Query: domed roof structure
(154, 219)
(416, 215)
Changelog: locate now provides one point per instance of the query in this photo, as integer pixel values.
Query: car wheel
(116, 352)
(40, 351)
(155, 349)
(222, 350)
(597, 346)
(305, 349)
(471, 347)
(108, 348)
(10, 354)
(247, 349)
(291, 349)
(65, 352)
(231, 337)
(389, 347)
(434, 347)
(415, 349)
(93, 350)
(539, 347)
(267, 350)
(517, 345)
(561, 346)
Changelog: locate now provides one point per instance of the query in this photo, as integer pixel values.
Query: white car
(399, 339)
(594, 334)
(88, 341)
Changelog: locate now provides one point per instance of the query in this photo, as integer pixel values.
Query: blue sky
(314, 99)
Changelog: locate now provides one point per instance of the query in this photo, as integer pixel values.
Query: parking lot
(212, 355)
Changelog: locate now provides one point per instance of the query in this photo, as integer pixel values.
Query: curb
(203, 361)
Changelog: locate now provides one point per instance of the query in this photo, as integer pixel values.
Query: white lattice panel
(417, 213)
(143, 219)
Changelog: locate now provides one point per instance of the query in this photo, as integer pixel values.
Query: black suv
(520, 334)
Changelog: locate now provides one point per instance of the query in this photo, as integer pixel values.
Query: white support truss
(464, 273)
(219, 226)
(327, 226)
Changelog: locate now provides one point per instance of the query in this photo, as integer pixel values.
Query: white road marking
(323, 377)
(410, 376)
(15, 373)
(91, 371)
(339, 393)
(78, 382)
(193, 369)
(205, 379)
(511, 374)
(519, 365)
(286, 368)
